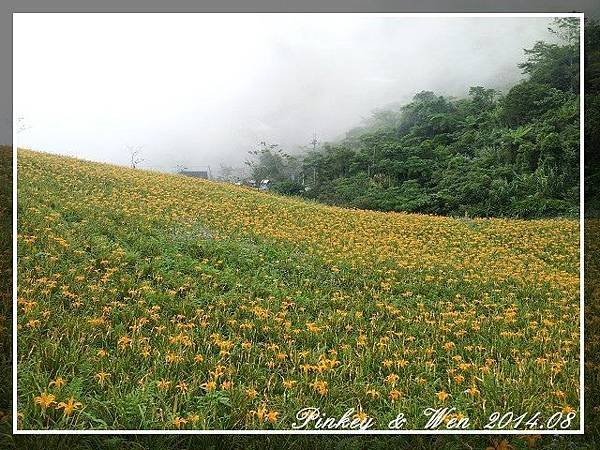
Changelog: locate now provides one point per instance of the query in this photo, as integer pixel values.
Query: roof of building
(195, 173)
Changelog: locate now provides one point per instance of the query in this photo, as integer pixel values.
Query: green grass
(386, 311)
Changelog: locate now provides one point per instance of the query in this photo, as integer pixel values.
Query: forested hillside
(592, 118)
(513, 154)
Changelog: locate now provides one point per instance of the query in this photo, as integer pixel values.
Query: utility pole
(314, 142)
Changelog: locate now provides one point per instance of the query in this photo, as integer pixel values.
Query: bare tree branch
(134, 151)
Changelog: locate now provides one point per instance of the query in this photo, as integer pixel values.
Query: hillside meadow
(154, 301)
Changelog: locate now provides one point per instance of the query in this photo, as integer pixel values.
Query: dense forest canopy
(490, 154)
(592, 118)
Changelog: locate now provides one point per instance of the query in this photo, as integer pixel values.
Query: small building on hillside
(195, 173)
(265, 185)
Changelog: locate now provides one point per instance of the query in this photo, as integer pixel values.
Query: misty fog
(203, 89)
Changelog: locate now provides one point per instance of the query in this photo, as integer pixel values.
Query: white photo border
(580, 431)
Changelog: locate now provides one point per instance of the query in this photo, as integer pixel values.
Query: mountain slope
(163, 301)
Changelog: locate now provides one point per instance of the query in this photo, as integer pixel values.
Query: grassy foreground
(157, 301)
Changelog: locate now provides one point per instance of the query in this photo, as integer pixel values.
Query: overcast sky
(200, 89)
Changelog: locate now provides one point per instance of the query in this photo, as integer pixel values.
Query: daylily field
(154, 301)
